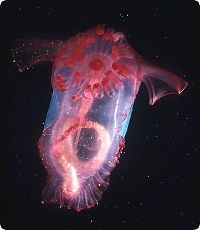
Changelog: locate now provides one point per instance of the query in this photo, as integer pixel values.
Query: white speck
(124, 16)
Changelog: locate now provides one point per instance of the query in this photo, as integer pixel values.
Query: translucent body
(96, 76)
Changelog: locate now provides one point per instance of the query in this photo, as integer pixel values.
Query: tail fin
(160, 82)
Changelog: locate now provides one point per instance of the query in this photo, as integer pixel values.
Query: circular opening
(88, 144)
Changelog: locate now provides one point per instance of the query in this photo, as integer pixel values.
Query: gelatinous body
(95, 78)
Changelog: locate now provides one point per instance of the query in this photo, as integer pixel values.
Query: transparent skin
(95, 78)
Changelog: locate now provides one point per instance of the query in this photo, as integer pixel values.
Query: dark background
(157, 183)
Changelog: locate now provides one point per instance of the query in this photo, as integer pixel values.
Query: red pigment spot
(100, 30)
(88, 87)
(74, 97)
(86, 41)
(121, 146)
(115, 52)
(109, 36)
(90, 39)
(105, 81)
(96, 64)
(69, 61)
(109, 73)
(96, 85)
(59, 82)
(78, 54)
(115, 66)
(121, 143)
(121, 68)
(77, 74)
